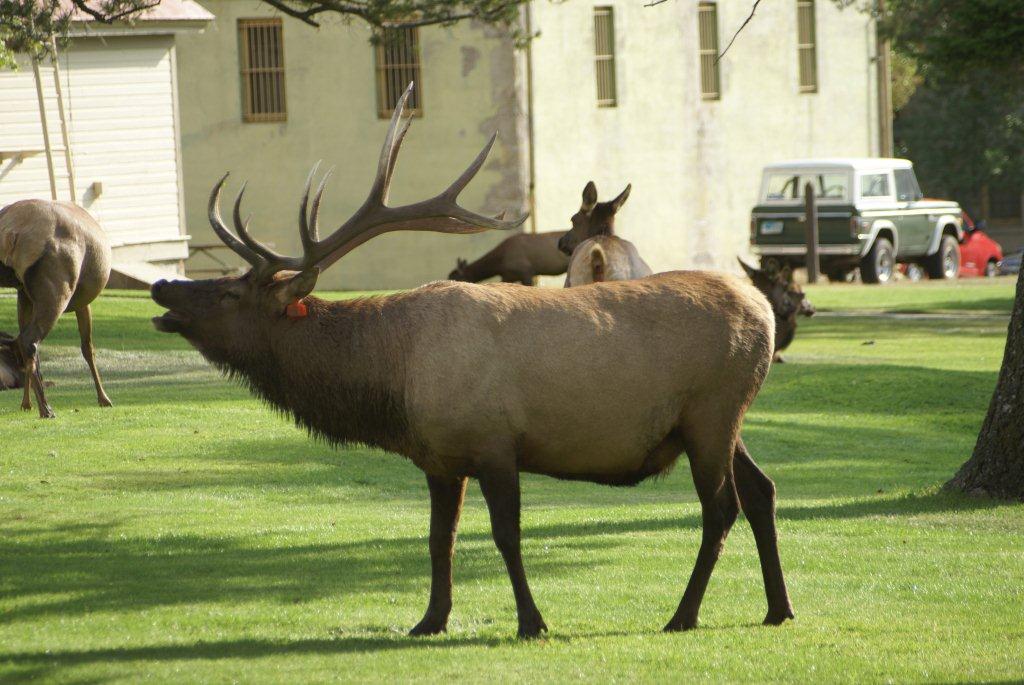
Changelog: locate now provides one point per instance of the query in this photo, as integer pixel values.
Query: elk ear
(621, 199)
(589, 197)
(288, 290)
(759, 277)
(786, 274)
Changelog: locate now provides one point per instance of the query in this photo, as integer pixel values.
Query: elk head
(594, 218)
(224, 317)
(786, 297)
(459, 272)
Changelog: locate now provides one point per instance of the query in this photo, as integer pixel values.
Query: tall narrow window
(707, 18)
(604, 55)
(806, 46)
(261, 48)
(398, 63)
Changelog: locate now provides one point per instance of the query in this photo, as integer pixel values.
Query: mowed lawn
(191, 534)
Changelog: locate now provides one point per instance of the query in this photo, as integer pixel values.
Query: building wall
(695, 164)
(468, 91)
(119, 99)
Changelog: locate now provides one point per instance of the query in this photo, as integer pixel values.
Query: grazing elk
(518, 259)
(486, 382)
(58, 259)
(787, 300)
(597, 254)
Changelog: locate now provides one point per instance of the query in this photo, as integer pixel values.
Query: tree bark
(996, 468)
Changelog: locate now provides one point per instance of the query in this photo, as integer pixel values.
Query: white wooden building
(119, 87)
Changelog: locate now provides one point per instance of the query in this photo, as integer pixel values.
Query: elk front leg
(501, 491)
(85, 333)
(446, 495)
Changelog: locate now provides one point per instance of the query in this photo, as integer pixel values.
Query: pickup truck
(871, 216)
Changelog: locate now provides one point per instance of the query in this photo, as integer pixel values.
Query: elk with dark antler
(485, 382)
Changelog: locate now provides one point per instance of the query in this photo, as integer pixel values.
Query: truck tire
(991, 268)
(879, 263)
(945, 263)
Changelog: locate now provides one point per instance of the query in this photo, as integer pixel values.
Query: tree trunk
(996, 468)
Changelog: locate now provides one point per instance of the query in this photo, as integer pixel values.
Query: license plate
(771, 227)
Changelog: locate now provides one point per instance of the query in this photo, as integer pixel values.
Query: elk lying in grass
(11, 373)
(473, 381)
(58, 259)
(787, 300)
(597, 253)
(518, 259)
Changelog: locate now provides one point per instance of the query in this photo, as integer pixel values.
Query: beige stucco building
(692, 148)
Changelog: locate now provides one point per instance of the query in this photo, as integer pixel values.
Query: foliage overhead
(29, 26)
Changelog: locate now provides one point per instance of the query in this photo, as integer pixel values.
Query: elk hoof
(531, 628)
(105, 402)
(429, 626)
(679, 625)
(777, 618)
(47, 413)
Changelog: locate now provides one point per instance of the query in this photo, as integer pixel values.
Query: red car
(979, 254)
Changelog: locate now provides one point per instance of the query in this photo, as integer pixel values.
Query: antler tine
(314, 219)
(308, 239)
(389, 151)
(462, 181)
(222, 231)
(243, 232)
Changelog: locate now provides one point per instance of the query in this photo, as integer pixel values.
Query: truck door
(915, 227)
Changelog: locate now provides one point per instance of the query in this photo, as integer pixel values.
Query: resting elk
(58, 259)
(597, 253)
(518, 259)
(787, 300)
(475, 381)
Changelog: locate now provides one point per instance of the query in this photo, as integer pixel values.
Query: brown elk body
(518, 259)
(597, 254)
(58, 259)
(487, 381)
(788, 302)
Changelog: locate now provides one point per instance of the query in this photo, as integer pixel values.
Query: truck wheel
(991, 269)
(945, 263)
(878, 264)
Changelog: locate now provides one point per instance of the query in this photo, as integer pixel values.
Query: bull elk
(58, 259)
(518, 259)
(597, 254)
(787, 299)
(476, 381)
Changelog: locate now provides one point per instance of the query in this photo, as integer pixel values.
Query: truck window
(875, 185)
(907, 189)
(789, 186)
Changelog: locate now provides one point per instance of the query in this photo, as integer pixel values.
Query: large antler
(440, 213)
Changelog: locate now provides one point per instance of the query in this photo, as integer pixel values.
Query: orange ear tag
(296, 310)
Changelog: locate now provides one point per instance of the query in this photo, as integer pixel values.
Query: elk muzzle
(173, 297)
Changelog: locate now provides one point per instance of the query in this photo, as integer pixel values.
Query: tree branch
(742, 26)
(111, 15)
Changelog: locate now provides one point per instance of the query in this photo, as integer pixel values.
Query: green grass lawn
(190, 534)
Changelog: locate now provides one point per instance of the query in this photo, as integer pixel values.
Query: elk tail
(598, 263)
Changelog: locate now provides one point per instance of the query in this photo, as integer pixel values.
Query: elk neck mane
(338, 372)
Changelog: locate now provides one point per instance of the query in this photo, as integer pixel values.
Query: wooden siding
(119, 99)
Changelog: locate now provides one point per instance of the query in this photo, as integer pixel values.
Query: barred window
(707, 18)
(397, 55)
(604, 56)
(261, 56)
(807, 46)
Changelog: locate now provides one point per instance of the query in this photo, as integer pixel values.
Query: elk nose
(156, 287)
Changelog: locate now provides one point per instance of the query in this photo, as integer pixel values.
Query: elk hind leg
(711, 464)
(757, 497)
(500, 486)
(84, 315)
(44, 301)
(32, 377)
